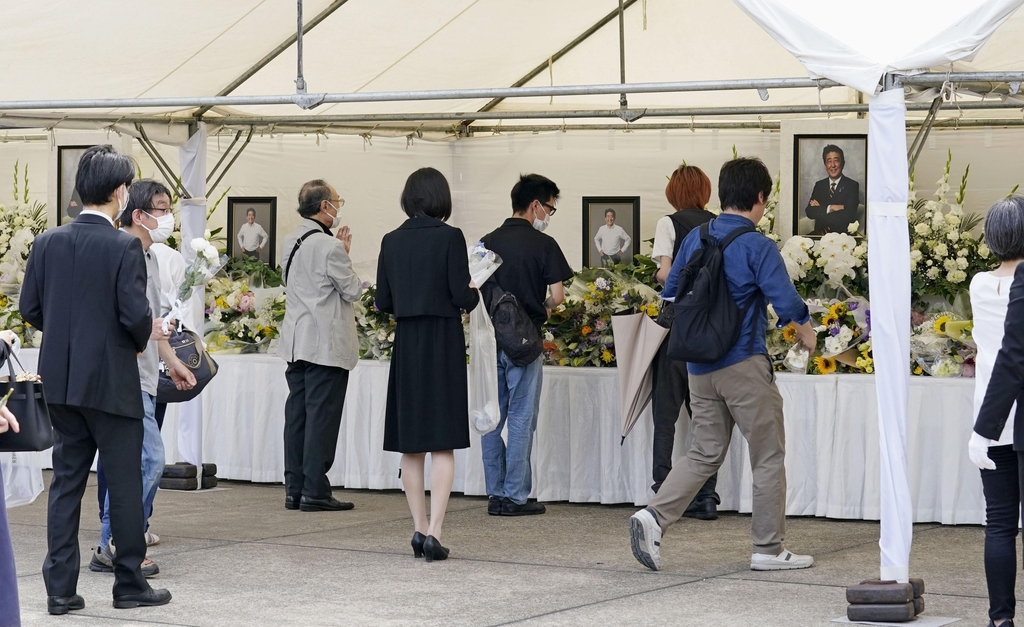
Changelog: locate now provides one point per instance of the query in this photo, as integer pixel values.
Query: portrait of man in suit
(833, 203)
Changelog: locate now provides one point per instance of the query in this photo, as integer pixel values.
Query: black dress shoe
(706, 510)
(62, 605)
(433, 550)
(329, 504)
(417, 544)
(493, 506)
(529, 508)
(149, 598)
(291, 502)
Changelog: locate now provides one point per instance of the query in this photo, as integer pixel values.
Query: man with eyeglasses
(532, 265)
(148, 218)
(319, 342)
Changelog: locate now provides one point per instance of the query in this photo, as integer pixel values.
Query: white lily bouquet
(207, 263)
(482, 263)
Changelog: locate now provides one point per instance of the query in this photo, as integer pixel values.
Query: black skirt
(428, 395)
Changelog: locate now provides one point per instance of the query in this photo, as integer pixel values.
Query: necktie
(832, 189)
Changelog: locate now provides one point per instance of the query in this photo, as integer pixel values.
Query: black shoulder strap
(288, 266)
(735, 233)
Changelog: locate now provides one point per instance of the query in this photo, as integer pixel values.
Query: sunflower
(918, 370)
(789, 333)
(830, 319)
(825, 365)
(838, 309)
(586, 330)
(940, 324)
(606, 356)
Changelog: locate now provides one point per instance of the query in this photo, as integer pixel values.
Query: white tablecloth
(831, 430)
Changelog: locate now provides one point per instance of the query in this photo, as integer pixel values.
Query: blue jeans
(507, 466)
(152, 467)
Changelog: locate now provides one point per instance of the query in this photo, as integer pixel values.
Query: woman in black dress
(423, 280)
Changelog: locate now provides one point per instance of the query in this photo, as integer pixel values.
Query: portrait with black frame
(830, 179)
(252, 227)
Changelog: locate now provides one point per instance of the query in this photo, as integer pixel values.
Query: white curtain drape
(192, 157)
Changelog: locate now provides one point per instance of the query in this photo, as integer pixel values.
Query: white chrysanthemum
(833, 345)
(940, 250)
(962, 263)
(949, 265)
(983, 251)
(933, 273)
(956, 276)
(922, 229)
(915, 255)
(854, 227)
(953, 236)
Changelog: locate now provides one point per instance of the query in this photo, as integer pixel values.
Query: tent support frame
(922, 133)
(224, 156)
(209, 192)
(161, 164)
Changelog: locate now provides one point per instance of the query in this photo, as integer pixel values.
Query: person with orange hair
(688, 191)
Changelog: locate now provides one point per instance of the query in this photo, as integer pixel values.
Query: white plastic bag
(484, 414)
(23, 477)
(482, 263)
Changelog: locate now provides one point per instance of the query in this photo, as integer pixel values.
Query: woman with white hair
(999, 462)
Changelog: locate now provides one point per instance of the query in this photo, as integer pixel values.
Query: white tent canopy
(117, 49)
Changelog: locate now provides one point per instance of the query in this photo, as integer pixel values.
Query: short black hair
(532, 187)
(833, 148)
(311, 196)
(427, 193)
(1004, 229)
(251, 210)
(100, 172)
(140, 196)
(611, 211)
(740, 182)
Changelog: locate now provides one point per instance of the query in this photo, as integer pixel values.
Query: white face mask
(122, 206)
(164, 227)
(336, 220)
(539, 224)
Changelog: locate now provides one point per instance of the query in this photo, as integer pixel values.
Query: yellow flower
(940, 324)
(652, 310)
(825, 365)
(606, 356)
(221, 304)
(829, 319)
(918, 370)
(837, 309)
(586, 330)
(561, 362)
(789, 333)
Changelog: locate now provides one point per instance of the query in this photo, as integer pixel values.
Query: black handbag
(28, 405)
(189, 349)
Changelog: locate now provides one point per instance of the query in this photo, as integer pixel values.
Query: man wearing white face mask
(150, 225)
(318, 340)
(532, 265)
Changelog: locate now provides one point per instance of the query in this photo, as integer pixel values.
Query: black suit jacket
(423, 270)
(1007, 382)
(85, 289)
(847, 194)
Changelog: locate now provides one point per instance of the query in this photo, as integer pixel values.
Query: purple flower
(365, 285)
(867, 319)
(853, 305)
(833, 330)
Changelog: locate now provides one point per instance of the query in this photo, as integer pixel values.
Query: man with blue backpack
(721, 281)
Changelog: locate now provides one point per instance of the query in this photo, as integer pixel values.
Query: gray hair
(311, 196)
(1004, 229)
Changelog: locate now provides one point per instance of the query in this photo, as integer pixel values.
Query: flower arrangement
(941, 346)
(842, 328)
(376, 329)
(835, 261)
(944, 251)
(579, 331)
(240, 321)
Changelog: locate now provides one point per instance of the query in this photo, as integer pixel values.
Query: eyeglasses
(551, 209)
(339, 202)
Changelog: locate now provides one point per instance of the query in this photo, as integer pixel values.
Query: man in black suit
(836, 198)
(85, 288)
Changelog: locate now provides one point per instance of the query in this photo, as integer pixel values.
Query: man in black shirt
(531, 264)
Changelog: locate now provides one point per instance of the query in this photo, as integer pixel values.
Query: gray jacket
(319, 323)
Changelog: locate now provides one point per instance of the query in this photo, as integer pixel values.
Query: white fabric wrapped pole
(192, 157)
(889, 276)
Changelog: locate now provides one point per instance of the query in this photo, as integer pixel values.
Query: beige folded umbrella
(637, 340)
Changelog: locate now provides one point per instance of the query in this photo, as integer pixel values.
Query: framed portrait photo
(252, 227)
(830, 182)
(611, 230)
(69, 204)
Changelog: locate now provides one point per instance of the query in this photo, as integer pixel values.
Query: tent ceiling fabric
(189, 48)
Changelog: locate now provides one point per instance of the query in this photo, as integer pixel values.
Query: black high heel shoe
(417, 544)
(433, 550)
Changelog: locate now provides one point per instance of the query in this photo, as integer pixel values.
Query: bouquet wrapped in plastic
(207, 263)
(482, 263)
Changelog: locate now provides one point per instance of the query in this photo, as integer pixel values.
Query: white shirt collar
(835, 181)
(93, 212)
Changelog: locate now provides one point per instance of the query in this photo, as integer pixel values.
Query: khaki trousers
(743, 394)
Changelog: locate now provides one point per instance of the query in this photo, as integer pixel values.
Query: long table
(832, 460)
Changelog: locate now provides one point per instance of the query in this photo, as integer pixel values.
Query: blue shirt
(753, 266)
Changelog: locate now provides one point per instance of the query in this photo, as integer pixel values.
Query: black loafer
(493, 506)
(291, 502)
(149, 598)
(62, 605)
(529, 508)
(707, 510)
(331, 504)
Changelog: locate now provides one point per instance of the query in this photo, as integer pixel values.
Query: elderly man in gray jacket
(318, 340)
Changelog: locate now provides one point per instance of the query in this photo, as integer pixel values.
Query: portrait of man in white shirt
(612, 241)
(253, 238)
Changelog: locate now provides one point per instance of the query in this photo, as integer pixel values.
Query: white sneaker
(645, 538)
(152, 539)
(786, 560)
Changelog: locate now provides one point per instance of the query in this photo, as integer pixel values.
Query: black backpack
(514, 332)
(707, 322)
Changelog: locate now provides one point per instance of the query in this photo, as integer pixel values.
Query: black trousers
(312, 419)
(671, 392)
(1002, 488)
(78, 433)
